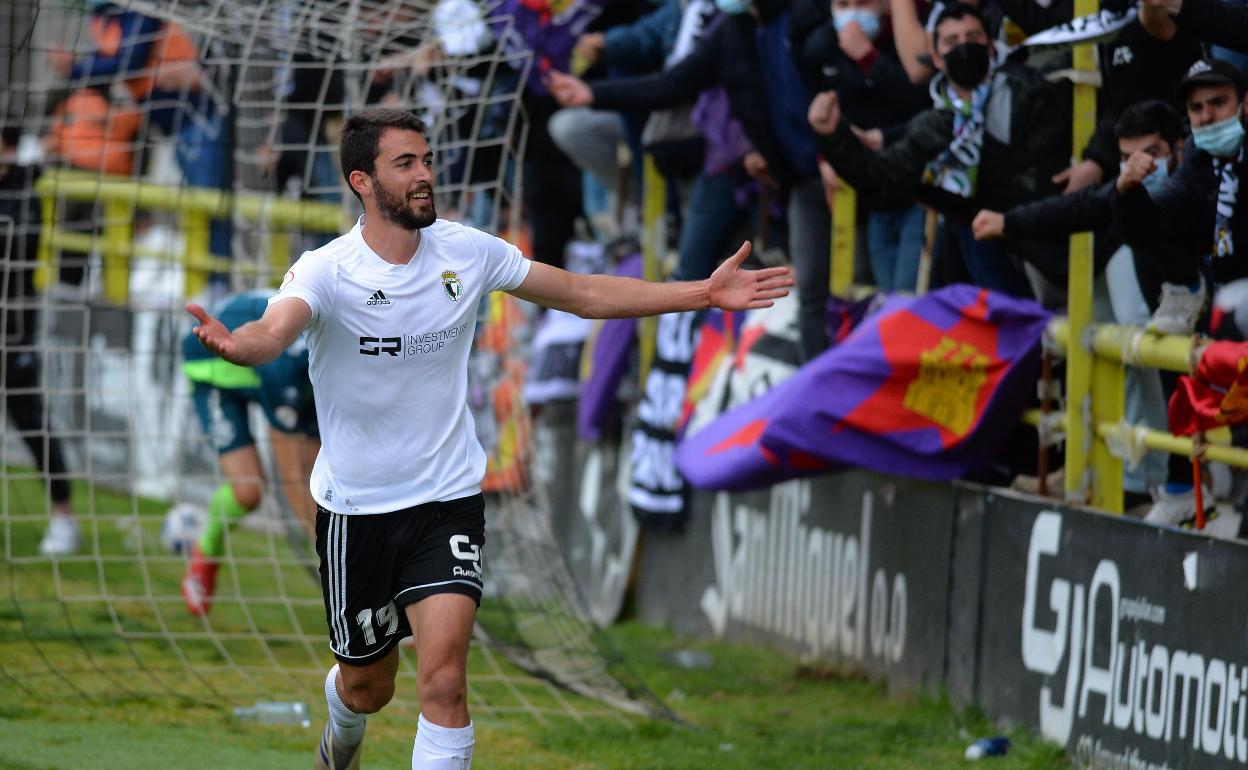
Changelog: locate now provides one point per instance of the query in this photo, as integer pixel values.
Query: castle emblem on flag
(947, 387)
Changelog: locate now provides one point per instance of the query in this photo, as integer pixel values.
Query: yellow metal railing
(1112, 348)
(1130, 437)
(122, 197)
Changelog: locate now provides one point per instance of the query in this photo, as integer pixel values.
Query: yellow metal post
(1108, 395)
(197, 256)
(1079, 297)
(279, 253)
(653, 245)
(844, 230)
(118, 243)
(1218, 450)
(45, 273)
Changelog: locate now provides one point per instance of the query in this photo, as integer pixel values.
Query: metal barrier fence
(121, 198)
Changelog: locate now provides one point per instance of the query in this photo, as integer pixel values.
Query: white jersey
(389, 349)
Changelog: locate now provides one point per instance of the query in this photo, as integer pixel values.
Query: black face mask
(967, 64)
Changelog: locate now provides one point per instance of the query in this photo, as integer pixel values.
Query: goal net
(160, 151)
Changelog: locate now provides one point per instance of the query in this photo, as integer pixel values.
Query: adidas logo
(378, 298)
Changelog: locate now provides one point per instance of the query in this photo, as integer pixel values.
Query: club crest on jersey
(452, 285)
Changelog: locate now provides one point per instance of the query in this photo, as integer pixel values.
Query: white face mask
(868, 20)
(733, 7)
(1222, 139)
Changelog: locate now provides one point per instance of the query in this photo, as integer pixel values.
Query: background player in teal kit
(222, 393)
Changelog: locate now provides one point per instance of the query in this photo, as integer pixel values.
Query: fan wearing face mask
(1193, 229)
(849, 48)
(995, 137)
(1191, 233)
(1152, 127)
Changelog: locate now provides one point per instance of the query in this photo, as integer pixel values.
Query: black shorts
(374, 565)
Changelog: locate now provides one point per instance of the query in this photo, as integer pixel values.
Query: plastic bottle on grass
(988, 747)
(275, 713)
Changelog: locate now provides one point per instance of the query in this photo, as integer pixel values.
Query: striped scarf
(956, 169)
(1228, 194)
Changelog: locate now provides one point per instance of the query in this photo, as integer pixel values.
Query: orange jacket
(94, 135)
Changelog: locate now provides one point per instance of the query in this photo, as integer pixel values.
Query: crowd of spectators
(954, 134)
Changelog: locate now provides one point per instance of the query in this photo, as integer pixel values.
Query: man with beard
(1188, 229)
(995, 138)
(389, 310)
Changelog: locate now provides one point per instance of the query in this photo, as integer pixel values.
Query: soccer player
(389, 310)
(221, 392)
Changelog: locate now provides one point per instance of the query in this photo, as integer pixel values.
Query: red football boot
(199, 583)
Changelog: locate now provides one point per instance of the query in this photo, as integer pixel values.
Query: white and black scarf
(956, 169)
(1228, 195)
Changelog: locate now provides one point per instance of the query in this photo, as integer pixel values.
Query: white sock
(442, 748)
(348, 726)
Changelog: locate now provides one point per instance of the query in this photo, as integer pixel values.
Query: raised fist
(824, 113)
(1138, 166)
(988, 224)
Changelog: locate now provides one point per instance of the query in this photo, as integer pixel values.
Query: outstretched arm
(911, 41)
(257, 342)
(609, 296)
(892, 175)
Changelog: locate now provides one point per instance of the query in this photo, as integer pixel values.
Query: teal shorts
(284, 394)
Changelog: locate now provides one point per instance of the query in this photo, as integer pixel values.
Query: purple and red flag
(926, 387)
(755, 353)
(1216, 394)
(842, 316)
(717, 338)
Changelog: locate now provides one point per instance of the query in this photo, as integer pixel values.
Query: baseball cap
(1211, 72)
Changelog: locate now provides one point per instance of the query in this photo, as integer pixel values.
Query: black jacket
(1026, 142)
(1174, 229)
(1062, 215)
(1056, 218)
(1134, 67)
(1032, 17)
(19, 204)
(1216, 22)
(727, 56)
(881, 97)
